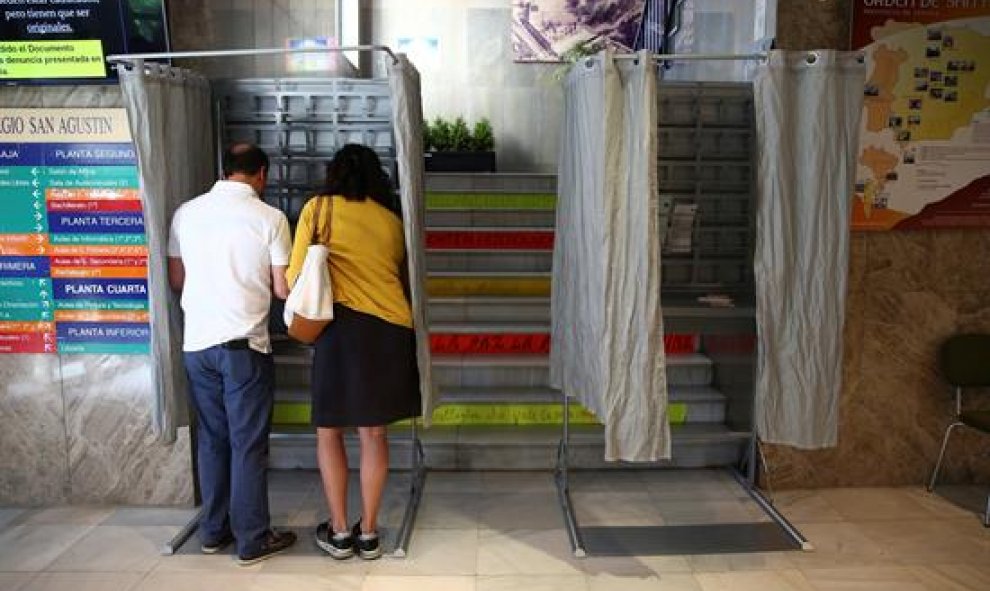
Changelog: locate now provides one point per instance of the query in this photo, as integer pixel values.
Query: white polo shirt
(228, 240)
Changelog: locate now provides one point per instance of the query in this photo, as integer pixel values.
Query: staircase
(489, 251)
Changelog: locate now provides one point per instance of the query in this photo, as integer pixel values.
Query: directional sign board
(73, 260)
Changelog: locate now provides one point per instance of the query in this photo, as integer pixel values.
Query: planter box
(460, 161)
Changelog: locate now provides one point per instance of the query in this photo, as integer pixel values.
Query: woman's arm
(304, 233)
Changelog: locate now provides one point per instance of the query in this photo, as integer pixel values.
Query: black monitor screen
(54, 41)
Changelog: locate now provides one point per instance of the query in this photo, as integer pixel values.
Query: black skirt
(364, 372)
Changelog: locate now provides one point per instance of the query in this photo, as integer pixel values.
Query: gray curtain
(407, 119)
(171, 121)
(606, 324)
(808, 108)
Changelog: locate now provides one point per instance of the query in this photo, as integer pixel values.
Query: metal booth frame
(418, 468)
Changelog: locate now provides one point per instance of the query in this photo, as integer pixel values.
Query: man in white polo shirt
(227, 253)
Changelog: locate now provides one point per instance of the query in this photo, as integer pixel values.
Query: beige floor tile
(306, 582)
(85, 581)
(517, 482)
(615, 481)
(692, 484)
(526, 552)
(284, 505)
(667, 564)
(201, 563)
(785, 580)
(293, 481)
(871, 504)
(970, 526)
(418, 583)
(136, 516)
(621, 566)
(709, 563)
(72, 515)
(531, 510)
(864, 578)
(10, 516)
(15, 581)
(26, 548)
(314, 563)
(434, 552)
(953, 577)
(453, 482)
(616, 509)
(707, 511)
(306, 517)
(806, 506)
(956, 502)
(665, 582)
(196, 581)
(533, 583)
(837, 545)
(929, 541)
(115, 548)
(449, 511)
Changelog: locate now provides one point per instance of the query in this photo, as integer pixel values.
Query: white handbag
(309, 307)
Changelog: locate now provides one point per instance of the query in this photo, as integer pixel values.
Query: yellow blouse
(367, 248)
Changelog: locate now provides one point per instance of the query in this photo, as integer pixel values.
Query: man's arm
(280, 286)
(279, 250)
(176, 274)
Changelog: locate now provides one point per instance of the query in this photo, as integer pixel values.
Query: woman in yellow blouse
(364, 367)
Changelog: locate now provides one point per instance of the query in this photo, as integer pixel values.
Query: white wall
(246, 24)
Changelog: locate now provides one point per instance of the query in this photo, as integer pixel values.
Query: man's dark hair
(356, 173)
(244, 158)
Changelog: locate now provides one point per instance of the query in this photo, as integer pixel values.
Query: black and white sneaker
(367, 545)
(338, 546)
(275, 543)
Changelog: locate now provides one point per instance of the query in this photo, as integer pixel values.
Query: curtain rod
(695, 56)
(811, 56)
(134, 57)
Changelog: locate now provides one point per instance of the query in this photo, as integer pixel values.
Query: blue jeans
(233, 392)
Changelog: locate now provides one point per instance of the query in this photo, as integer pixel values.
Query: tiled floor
(503, 531)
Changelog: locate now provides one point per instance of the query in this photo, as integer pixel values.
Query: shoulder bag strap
(318, 215)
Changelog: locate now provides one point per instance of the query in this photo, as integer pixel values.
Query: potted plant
(455, 147)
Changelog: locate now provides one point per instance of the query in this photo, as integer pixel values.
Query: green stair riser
(298, 413)
(490, 201)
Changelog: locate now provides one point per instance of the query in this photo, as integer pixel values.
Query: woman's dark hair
(356, 173)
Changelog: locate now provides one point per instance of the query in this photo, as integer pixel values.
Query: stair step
(686, 404)
(499, 395)
(502, 182)
(488, 309)
(480, 371)
(516, 447)
(484, 260)
(533, 371)
(437, 219)
(512, 283)
(496, 327)
(509, 238)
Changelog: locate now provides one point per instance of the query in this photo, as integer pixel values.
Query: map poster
(73, 255)
(924, 159)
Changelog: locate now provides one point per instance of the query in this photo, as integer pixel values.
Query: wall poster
(924, 159)
(542, 30)
(73, 255)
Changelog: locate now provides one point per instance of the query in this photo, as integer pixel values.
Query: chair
(964, 361)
